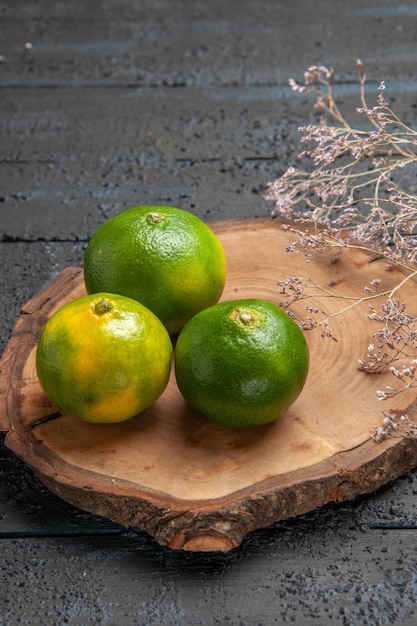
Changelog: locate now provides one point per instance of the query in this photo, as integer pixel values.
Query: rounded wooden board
(195, 485)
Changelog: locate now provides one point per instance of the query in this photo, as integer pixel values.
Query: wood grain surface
(219, 483)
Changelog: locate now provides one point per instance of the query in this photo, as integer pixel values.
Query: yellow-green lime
(241, 363)
(103, 358)
(166, 258)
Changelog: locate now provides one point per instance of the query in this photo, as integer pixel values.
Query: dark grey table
(106, 105)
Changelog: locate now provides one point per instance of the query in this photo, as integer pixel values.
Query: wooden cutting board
(199, 486)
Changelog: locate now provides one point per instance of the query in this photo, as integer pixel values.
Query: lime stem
(102, 306)
(244, 316)
(155, 217)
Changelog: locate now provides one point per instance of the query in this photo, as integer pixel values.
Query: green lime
(241, 363)
(103, 358)
(166, 258)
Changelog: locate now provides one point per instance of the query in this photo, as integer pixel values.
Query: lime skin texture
(241, 363)
(103, 358)
(166, 258)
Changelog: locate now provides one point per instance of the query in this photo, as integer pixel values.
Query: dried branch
(352, 200)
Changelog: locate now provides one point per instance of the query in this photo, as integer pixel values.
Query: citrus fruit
(241, 363)
(103, 358)
(166, 258)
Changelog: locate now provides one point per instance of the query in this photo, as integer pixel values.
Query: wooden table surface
(106, 105)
